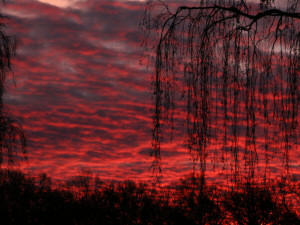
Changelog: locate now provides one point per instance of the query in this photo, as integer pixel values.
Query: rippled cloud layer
(84, 99)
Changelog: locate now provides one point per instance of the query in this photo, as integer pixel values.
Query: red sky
(82, 96)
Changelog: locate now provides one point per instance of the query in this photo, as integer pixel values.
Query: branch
(271, 12)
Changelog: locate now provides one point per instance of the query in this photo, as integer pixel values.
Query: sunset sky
(81, 94)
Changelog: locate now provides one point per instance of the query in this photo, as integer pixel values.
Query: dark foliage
(34, 200)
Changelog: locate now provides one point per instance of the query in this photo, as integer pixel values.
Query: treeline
(88, 200)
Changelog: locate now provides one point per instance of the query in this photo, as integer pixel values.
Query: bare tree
(12, 137)
(235, 66)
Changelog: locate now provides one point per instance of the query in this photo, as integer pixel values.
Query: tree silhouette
(258, 205)
(36, 200)
(12, 137)
(233, 68)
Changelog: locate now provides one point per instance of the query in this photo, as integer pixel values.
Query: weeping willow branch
(12, 137)
(237, 66)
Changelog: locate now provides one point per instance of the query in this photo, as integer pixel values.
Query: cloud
(83, 97)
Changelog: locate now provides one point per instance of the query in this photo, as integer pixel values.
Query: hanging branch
(12, 137)
(240, 65)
